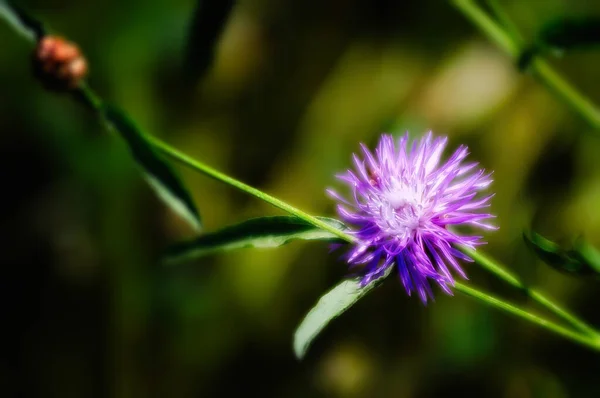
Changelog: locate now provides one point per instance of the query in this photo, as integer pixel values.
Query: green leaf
(157, 171)
(24, 23)
(562, 35)
(210, 17)
(581, 260)
(569, 33)
(587, 254)
(263, 232)
(331, 305)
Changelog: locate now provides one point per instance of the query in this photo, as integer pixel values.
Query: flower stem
(89, 98)
(562, 89)
(487, 25)
(92, 101)
(590, 338)
(505, 20)
(498, 270)
(217, 175)
(540, 68)
(592, 342)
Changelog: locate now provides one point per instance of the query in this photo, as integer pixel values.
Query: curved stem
(508, 277)
(540, 68)
(592, 342)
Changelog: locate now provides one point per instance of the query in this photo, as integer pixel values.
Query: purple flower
(404, 203)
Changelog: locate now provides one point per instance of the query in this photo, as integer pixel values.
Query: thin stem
(540, 68)
(91, 100)
(588, 341)
(217, 175)
(498, 270)
(88, 97)
(505, 20)
(479, 257)
(565, 90)
(487, 25)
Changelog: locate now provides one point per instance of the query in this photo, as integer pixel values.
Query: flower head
(404, 199)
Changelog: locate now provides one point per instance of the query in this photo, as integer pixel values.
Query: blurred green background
(295, 86)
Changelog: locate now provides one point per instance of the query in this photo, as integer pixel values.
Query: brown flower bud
(59, 64)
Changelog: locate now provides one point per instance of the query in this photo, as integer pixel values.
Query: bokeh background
(87, 309)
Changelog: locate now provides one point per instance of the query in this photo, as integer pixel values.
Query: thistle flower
(404, 203)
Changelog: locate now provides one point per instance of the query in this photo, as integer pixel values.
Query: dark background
(87, 310)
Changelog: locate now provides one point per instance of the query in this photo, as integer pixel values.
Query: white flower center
(401, 212)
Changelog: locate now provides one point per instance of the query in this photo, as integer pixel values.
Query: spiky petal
(404, 199)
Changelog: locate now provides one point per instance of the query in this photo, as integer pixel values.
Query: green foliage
(569, 33)
(588, 255)
(263, 232)
(346, 76)
(582, 260)
(331, 305)
(157, 170)
(24, 23)
(562, 35)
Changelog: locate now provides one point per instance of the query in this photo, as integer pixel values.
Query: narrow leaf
(210, 17)
(331, 305)
(24, 23)
(569, 33)
(263, 232)
(157, 170)
(587, 254)
(562, 35)
(582, 260)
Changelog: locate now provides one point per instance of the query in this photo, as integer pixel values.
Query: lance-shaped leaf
(562, 35)
(582, 260)
(331, 305)
(263, 232)
(24, 23)
(157, 170)
(587, 254)
(210, 17)
(569, 33)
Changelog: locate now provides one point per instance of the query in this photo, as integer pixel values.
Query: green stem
(86, 95)
(592, 342)
(94, 102)
(562, 89)
(487, 25)
(91, 100)
(498, 270)
(477, 256)
(505, 20)
(590, 339)
(217, 175)
(540, 68)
